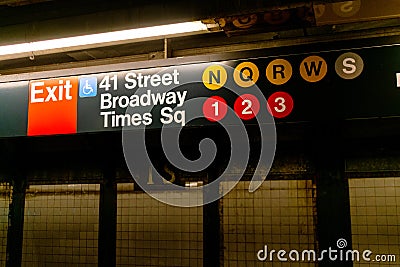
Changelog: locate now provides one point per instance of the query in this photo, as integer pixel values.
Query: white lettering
(271, 255)
(60, 89)
(332, 257)
(321, 257)
(51, 93)
(147, 119)
(54, 93)
(68, 87)
(130, 81)
(292, 258)
(155, 80)
(179, 117)
(145, 99)
(175, 74)
(349, 65)
(181, 97)
(106, 114)
(366, 255)
(35, 92)
(122, 120)
(108, 101)
(136, 119)
(158, 99)
(105, 101)
(262, 254)
(281, 254)
(146, 78)
(166, 79)
(123, 101)
(110, 119)
(171, 98)
(166, 113)
(135, 101)
(133, 80)
(140, 80)
(168, 116)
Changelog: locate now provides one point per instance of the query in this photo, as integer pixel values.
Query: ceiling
(20, 2)
(280, 23)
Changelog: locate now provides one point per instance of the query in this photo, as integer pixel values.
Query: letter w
(313, 68)
(158, 98)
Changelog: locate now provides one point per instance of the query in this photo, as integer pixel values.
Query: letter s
(147, 118)
(130, 81)
(349, 65)
(166, 113)
(347, 7)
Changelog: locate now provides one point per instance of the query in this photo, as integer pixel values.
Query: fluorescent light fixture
(194, 184)
(101, 39)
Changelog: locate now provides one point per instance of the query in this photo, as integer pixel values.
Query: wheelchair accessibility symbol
(88, 87)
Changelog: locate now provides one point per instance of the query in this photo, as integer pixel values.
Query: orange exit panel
(53, 106)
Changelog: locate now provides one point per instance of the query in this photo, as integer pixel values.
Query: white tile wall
(61, 225)
(150, 233)
(279, 214)
(375, 217)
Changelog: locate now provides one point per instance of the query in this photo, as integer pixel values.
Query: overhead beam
(213, 46)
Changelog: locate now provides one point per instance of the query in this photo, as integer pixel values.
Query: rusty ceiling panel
(356, 11)
(20, 2)
(269, 21)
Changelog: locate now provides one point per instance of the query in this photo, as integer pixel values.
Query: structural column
(16, 223)
(333, 205)
(211, 234)
(107, 220)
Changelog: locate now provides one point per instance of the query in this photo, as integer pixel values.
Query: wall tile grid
(61, 225)
(279, 214)
(375, 218)
(150, 233)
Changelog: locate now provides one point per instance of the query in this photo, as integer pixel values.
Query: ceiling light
(100, 39)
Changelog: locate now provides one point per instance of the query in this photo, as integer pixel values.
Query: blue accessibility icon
(88, 87)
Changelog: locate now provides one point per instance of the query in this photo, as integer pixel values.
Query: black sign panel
(325, 85)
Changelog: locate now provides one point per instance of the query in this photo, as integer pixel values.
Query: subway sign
(326, 85)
